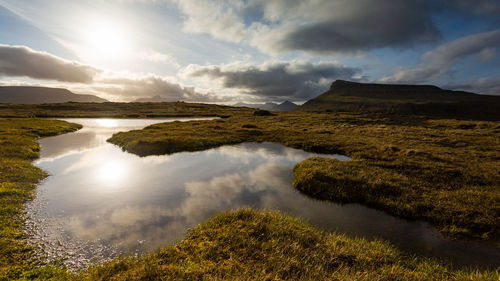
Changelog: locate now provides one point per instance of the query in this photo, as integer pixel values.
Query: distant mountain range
(284, 106)
(152, 99)
(37, 95)
(343, 96)
(404, 99)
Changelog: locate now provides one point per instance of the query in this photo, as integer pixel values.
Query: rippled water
(101, 202)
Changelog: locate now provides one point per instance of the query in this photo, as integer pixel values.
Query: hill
(152, 99)
(284, 106)
(404, 99)
(38, 95)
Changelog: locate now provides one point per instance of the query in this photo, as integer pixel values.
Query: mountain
(264, 106)
(284, 106)
(152, 99)
(404, 99)
(36, 95)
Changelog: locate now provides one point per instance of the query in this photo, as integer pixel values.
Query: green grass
(18, 179)
(264, 245)
(244, 244)
(443, 171)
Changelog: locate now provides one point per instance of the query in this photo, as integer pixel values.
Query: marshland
(249, 140)
(122, 193)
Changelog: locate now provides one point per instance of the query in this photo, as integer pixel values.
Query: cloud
(83, 79)
(485, 85)
(157, 57)
(218, 18)
(438, 62)
(131, 87)
(269, 183)
(478, 7)
(294, 80)
(126, 87)
(316, 26)
(344, 26)
(26, 62)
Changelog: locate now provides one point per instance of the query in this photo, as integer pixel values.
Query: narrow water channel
(101, 202)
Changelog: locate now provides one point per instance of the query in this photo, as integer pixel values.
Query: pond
(101, 202)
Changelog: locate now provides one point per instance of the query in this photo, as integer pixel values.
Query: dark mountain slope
(37, 95)
(286, 106)
(405, 99)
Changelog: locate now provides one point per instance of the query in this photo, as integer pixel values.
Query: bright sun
(106, 40)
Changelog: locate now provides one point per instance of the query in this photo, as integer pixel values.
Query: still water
(101, 202)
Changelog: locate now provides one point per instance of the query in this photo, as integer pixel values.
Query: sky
(253, 51)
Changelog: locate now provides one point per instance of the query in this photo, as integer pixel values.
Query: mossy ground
(446, 172)
(18, 179)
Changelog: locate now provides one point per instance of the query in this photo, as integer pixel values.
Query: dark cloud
(316, 26)
(130, 88)
(23, 61)
(145, 87)
(328, 26)
(438, 62)
(277, 81)
(360, 25)
(490, 8)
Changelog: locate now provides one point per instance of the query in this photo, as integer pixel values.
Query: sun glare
(107, 123)
(111, 172)
(106, 40)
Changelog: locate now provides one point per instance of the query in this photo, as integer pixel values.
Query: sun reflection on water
(111, 172)
(107, 123)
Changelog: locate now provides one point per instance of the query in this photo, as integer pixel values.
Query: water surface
(101, 202)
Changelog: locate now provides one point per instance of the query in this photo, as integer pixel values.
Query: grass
(18, 179)
(446, 172)
(262, 245)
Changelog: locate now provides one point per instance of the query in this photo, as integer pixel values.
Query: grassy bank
(261, 245)
(465, 210)
(18, 179)
(446, 172)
